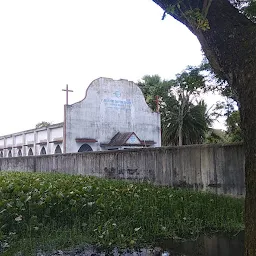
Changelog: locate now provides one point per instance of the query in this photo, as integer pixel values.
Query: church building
(112, 116)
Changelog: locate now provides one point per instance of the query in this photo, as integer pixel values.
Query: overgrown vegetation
(185, 117)
(57, 211)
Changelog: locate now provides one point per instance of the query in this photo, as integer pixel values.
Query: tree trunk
(180, 133)
(181, 118)
(229, 45)
(248, 121)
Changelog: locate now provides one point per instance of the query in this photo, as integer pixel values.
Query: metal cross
(67, 91)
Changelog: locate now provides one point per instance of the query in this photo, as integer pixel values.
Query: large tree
(228, 39)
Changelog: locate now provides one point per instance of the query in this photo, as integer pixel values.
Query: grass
(57, 211)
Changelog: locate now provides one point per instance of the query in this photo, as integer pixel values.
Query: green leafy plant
(56, 211)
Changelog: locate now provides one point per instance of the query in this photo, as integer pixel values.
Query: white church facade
(112, 116)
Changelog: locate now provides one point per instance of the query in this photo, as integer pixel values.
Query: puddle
(93, 252)
(215, 245)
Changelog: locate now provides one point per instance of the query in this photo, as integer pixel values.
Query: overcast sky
(45, 45)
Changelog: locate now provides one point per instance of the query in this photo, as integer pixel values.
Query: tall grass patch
(69, 210)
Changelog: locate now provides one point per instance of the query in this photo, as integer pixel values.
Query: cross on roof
(67, 91)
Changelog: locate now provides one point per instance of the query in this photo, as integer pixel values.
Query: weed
(46, 211)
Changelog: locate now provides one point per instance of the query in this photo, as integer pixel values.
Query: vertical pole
(65, 120)
(67, 94)
(64, 130)
(158, 111)
(157, 103)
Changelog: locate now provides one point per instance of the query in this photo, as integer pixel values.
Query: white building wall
(19, 139)
(29, 139)
(8, 146)
(109, 107)
(9, 142)
(1, 143)
(56, 134)
(41, 136)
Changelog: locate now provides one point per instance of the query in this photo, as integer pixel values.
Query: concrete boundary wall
(216, 168)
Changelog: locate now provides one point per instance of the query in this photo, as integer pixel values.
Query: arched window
(19, 152)
(9, 153)
(43, 151)
(1, 154)
(30, 152)
(85, 148)
(58, 150)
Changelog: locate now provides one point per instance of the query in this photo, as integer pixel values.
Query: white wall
(1, 143)
(9, 141)
(109, 107)
(29, 137)
(19, 139)
(2, 147)
(55, 133)
(32, 137)
(41, 135)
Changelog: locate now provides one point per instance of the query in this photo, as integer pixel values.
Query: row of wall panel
(32, 142)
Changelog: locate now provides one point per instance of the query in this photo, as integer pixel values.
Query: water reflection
(215, 245)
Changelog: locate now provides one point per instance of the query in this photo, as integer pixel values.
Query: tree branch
(228, 31)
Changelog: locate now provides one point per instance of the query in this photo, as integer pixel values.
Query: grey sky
(47, 44)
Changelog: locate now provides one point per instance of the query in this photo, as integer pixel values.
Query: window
(9, 153)
(30, 152)
(85, 148)
(43, 151)
(58, 150)
(19, 152)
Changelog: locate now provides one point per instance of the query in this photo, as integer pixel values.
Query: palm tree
(152, 87)
(184, 119)
(195, 123)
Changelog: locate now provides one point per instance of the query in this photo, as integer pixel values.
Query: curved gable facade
(110, 106)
